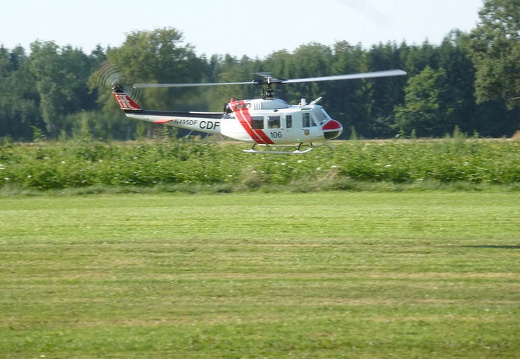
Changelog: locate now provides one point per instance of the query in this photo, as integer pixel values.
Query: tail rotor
(111, 76)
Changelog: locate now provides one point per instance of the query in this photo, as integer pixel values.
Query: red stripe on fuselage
(243, 116)
(247, 126)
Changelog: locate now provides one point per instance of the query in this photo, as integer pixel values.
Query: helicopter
(266, 121)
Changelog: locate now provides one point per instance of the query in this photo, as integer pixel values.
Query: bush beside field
(171, 164)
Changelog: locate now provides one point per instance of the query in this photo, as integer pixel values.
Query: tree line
(470, 82)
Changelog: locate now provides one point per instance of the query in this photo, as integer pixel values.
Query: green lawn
(318, 275)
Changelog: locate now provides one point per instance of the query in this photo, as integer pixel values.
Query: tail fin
(124, 101)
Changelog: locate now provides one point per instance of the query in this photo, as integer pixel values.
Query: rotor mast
(268, 90)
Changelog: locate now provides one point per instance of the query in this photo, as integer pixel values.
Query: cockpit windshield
(320, 115)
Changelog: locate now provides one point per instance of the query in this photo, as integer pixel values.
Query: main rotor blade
(268, 80)
(195, 84)
(365, 75)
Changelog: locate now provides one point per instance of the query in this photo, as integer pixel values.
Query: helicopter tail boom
(206, 122)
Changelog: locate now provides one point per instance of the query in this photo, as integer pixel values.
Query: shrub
(59, 165)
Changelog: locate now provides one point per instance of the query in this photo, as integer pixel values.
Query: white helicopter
(267, 121)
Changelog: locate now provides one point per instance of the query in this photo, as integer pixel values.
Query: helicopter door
(309, 126)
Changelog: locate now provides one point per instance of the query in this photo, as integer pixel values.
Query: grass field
(313, 275)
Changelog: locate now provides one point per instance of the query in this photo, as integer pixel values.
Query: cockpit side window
(306, 120)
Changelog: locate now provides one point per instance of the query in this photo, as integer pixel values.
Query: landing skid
(295, 152)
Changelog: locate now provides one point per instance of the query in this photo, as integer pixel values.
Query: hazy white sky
(255, 28)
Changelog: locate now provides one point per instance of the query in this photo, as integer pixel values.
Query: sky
(254, 28)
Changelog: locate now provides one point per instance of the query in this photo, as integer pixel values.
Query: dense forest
(469, 83)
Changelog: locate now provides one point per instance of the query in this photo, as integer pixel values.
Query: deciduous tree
(495, 50)
(427, 107)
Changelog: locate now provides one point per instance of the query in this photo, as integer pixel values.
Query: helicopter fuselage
(259, 121)
(274, 121)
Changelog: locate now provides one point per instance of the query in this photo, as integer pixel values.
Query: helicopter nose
(332, 129)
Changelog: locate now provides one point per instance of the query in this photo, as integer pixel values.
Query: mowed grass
(316, 275)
